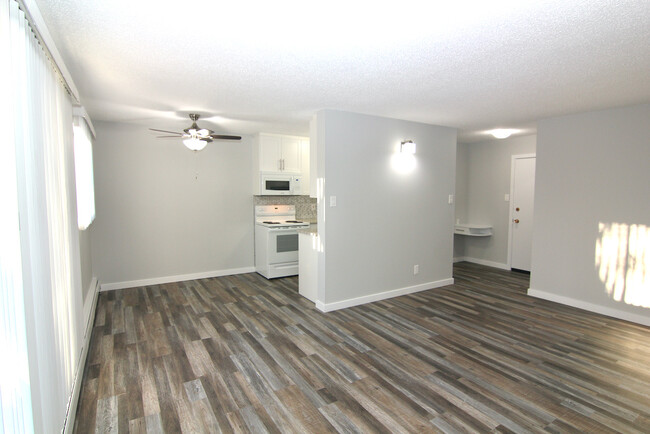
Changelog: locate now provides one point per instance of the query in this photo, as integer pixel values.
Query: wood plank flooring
(244, 354)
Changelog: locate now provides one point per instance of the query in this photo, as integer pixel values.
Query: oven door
(282, 246)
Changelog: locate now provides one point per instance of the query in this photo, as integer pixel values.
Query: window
(83, 164)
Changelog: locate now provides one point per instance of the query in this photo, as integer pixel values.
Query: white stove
(283, 224)
(277, 216)
(276, 240)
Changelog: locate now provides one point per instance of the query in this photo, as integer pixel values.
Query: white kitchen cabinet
(269, 149)
(308, 264)
(279, 153)
(291, 150)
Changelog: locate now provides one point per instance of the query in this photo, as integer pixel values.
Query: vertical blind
(15, 397)
(41, 298)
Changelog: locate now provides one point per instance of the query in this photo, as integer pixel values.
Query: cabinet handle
(282, 163)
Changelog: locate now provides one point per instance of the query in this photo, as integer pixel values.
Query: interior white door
(522, 204)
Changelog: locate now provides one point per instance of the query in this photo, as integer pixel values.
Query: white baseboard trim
(90, 305)
(482, 262)
(177, 278)
(328, 307)
(89, 309)
(584, 305)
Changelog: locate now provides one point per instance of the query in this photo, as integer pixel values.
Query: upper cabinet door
(270, 153)
(278, 153)
(291, 161)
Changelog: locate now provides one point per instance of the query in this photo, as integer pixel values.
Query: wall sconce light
(407, 147)
(403, 162)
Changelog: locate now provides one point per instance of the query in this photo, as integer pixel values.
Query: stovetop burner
(276, 217)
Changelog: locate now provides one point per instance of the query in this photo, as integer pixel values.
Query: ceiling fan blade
(165, 137)
(165, 131)
(223, 137)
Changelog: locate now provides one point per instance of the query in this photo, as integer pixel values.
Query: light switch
(506, 197)
(451, 199)
(332, 200)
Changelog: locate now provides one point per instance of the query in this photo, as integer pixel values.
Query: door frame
(511, 201)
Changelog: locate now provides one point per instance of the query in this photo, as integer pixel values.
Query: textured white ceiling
(270, 65)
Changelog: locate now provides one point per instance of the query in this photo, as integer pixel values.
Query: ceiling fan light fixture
(502, 133)
(196, 138)
(194, 143)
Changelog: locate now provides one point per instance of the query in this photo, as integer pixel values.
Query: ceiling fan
(196, 138)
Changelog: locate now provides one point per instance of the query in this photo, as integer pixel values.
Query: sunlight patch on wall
(623, 262)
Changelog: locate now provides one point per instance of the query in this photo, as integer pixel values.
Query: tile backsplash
(304, 208)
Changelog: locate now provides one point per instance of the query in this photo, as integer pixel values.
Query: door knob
(516, 220)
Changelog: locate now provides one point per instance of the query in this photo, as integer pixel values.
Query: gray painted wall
(481, 200)
(163, 210)
(592, 168)
(384, 222)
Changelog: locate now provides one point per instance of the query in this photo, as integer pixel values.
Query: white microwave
(273, 184)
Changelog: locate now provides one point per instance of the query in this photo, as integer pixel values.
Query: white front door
(521, 211)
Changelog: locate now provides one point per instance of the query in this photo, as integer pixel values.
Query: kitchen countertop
(312, 229)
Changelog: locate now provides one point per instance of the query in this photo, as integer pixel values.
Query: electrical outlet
(416, 269)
